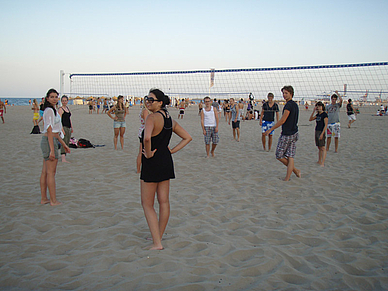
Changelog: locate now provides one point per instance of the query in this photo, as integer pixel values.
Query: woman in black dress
(157, 165)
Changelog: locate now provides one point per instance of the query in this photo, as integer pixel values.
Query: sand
(234, 224)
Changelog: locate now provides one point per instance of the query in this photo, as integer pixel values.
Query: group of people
(154, 161)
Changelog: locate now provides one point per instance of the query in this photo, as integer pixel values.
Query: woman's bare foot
(44, 201)
(298, 173)
(55, 203)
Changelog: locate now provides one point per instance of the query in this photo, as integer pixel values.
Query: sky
(40, 38)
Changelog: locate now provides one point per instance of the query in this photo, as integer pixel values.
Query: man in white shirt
(209, 123)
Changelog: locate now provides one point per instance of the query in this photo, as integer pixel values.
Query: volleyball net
(362, 82)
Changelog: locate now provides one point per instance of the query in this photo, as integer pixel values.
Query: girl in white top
(52, 134)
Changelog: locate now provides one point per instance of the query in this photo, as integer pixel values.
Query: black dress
(160, 167)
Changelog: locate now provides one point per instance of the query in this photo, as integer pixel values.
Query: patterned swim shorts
(211, 135)
(334, 129)
(265, 125)
(287, 146)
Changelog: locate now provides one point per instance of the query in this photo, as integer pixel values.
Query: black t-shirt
(290, 127)
(320, 119)
(269, 112)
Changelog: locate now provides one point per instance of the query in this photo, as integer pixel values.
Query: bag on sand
(35, 130)
(84, 143)
(73, 143)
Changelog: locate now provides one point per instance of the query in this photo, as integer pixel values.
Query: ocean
(23, 101)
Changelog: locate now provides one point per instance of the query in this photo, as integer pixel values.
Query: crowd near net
(362, 82)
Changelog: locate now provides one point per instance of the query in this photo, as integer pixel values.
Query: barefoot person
(67, 125)
(209, 123)
(142, 116)
(49, 145)
(334, 127)
(286, 148)
(157, 166)
(267, 119)
(119, 120)
(320, 130)
(3, 110)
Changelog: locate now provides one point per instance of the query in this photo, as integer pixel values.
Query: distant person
(351, 112)
(52, 135)
(286, 148)
(227, 110)
(241, 109)
(119, 120)
(182, 108)
(322, 121)
(209, 123)
(267, 119)
(105, 107)
(215, 103)
(3, 110)
(41, 110)
(67, 125)
(200, 107)
(157, 164)
(90, 103)
(35, 108)
(98, 105)
(235, 117)
(334, 127)
(144, 112)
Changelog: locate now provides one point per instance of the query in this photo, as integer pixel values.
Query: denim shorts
(118, 124)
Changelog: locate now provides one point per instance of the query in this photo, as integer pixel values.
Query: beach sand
(234, 224)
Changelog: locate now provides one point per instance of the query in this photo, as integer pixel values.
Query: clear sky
(40, 38)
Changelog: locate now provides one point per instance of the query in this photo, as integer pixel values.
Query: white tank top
(209, 118)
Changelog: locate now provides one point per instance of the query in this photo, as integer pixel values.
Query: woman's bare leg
(163, 193)
(116, 132)
(43, 184)
(147, 201)
(122, 131)
(51, 171)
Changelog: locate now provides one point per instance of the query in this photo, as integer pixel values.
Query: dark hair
(161, 97)
(122, 106)
(46, 103)
(289, 89)
(64, 96)
(270, 95)
(320, 103)
(350, 100)
(334, 96)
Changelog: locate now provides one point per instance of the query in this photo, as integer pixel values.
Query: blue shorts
(41, 113)
(265, 125)
(118, 124)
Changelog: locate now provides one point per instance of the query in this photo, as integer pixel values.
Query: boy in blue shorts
(286, 148)
(267, 119)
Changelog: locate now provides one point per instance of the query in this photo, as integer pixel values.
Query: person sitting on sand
(49, 145)
(286, 148)
(157, 165)
(322, 120)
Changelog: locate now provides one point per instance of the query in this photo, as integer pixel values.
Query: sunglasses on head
(151, 99)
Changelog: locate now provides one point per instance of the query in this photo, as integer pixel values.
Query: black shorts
(236, 124)
(319, 142)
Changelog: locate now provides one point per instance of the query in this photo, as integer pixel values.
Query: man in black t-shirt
(286, 148)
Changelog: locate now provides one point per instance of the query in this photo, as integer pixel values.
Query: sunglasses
(151, 99)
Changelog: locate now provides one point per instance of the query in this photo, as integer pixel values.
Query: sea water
(23, 101)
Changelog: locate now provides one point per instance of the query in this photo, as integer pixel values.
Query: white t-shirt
(52, 120)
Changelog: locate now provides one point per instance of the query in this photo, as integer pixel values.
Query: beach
(234, 224)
